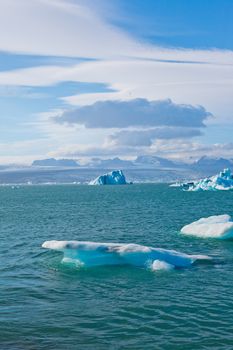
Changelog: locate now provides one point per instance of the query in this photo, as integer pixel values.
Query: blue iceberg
(115, 177)
(95, 254)
(217, 226)
(221, 181)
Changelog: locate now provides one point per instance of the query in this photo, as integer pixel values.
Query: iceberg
(221, 181)
(96, 254)
(217, 226)
(115, 177)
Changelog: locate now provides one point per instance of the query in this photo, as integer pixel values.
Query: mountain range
(204, 164)
(144, 168)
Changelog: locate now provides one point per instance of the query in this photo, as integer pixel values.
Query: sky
(106, 78)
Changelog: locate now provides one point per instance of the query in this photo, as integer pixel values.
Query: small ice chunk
(161, 265)
(217, 226)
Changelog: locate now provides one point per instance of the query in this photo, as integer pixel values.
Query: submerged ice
(161, 265)
(115, 177)
(95, 254)
(218, 226)
(221, 181)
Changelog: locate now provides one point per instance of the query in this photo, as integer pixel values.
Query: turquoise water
(45, 304)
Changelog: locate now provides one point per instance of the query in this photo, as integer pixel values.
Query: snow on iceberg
(115, 177)
(96, 254)
(222, 181)
(218, 226)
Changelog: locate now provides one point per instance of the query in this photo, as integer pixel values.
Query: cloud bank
(135, 126)
(136, 112)
(59, 27)
(141, 77)
(147, 137)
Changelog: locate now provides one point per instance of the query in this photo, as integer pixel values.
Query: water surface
(47, 305)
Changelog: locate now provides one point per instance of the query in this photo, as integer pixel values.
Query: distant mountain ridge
(154, 161)
(214, 162)
(52, 162)
(143, 169)
(204, 165)
(114, 163)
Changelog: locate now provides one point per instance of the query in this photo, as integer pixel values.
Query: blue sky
(115, 78)
(179, 23)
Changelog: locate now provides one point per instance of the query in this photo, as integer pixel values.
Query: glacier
(221, 181)
(96, 254)
(217, 226)
(115, 177)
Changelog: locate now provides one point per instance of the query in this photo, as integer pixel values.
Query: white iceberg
(96, 254)
(218, 226)
(115, 177)
(222, 181)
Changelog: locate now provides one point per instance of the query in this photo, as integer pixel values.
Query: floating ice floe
(95, 254)
(218, 226)
(176, 184)
(222, 181)
(115, 177)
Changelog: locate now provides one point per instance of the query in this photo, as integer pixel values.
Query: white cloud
(78, 29)
(58, 28)
(136, 112)
(22, 151)
(206, 84)
(131, 68)
(147, 137)
(180, 149)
